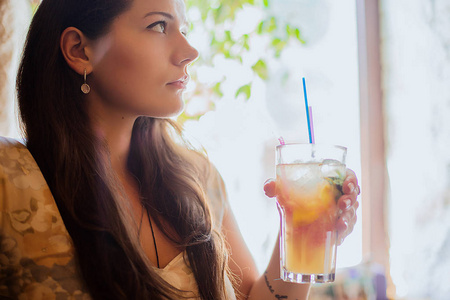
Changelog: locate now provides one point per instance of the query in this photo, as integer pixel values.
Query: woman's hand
(347, 203)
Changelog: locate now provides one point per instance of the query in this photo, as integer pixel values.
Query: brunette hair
(75, 165)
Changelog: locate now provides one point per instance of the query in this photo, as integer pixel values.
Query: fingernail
(345, 222)
(347, 203)
(351, 187)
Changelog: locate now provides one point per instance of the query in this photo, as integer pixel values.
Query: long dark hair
(75, 165)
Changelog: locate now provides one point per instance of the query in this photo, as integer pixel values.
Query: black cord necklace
(151, 227)
(153, 235)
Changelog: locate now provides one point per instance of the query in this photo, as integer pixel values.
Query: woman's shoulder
(208, 173)
(214, 186)
(212, 183)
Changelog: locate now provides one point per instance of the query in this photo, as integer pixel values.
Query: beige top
(36, 251)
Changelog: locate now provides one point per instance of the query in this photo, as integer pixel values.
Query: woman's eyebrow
(167, 15)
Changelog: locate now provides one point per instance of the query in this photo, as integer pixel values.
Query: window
(240, 135)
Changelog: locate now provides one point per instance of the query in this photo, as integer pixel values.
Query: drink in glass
(309, 183)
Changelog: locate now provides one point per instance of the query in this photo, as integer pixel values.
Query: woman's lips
(180, 83)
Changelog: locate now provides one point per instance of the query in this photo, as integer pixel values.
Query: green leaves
(246, 90)
(221, 23)
(217, 90)
(260, 68)
(294, 33)
(278, 45)
(267, 26)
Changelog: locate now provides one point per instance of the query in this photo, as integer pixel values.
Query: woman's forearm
(270, 286)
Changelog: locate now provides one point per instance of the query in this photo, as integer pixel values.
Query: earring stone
(85, 88)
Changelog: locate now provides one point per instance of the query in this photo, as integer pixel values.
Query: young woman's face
(140, 65)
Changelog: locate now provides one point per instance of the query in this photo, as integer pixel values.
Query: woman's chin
(174, 111)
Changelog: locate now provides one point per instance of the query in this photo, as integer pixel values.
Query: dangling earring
(85, 88)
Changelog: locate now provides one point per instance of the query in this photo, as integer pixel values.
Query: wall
(416, 78)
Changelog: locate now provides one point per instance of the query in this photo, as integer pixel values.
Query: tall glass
(309, 183)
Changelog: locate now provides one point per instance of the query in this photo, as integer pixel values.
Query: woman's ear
(73, 45)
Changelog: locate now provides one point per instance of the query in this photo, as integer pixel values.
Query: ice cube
(330, 162)
(292, 172)
(310, 177)
(332, 168)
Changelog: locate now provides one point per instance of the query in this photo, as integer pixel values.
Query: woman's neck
(119, 148)
(113, 126)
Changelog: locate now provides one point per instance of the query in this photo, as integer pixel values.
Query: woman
(133, 213)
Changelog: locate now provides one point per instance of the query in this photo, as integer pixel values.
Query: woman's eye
(159, 26)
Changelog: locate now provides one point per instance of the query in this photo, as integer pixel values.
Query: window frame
(374, 179)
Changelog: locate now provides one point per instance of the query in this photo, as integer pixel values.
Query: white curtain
(14, 19)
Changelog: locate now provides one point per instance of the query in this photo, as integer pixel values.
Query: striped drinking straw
(309, 117)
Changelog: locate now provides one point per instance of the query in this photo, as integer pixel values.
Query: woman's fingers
(348, 205)
(346, 222)
(351, 191)
(270, 188)
(350, 186)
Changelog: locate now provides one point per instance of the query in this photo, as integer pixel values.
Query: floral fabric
(36, 251)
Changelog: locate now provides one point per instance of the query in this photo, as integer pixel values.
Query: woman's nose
(186, 54)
